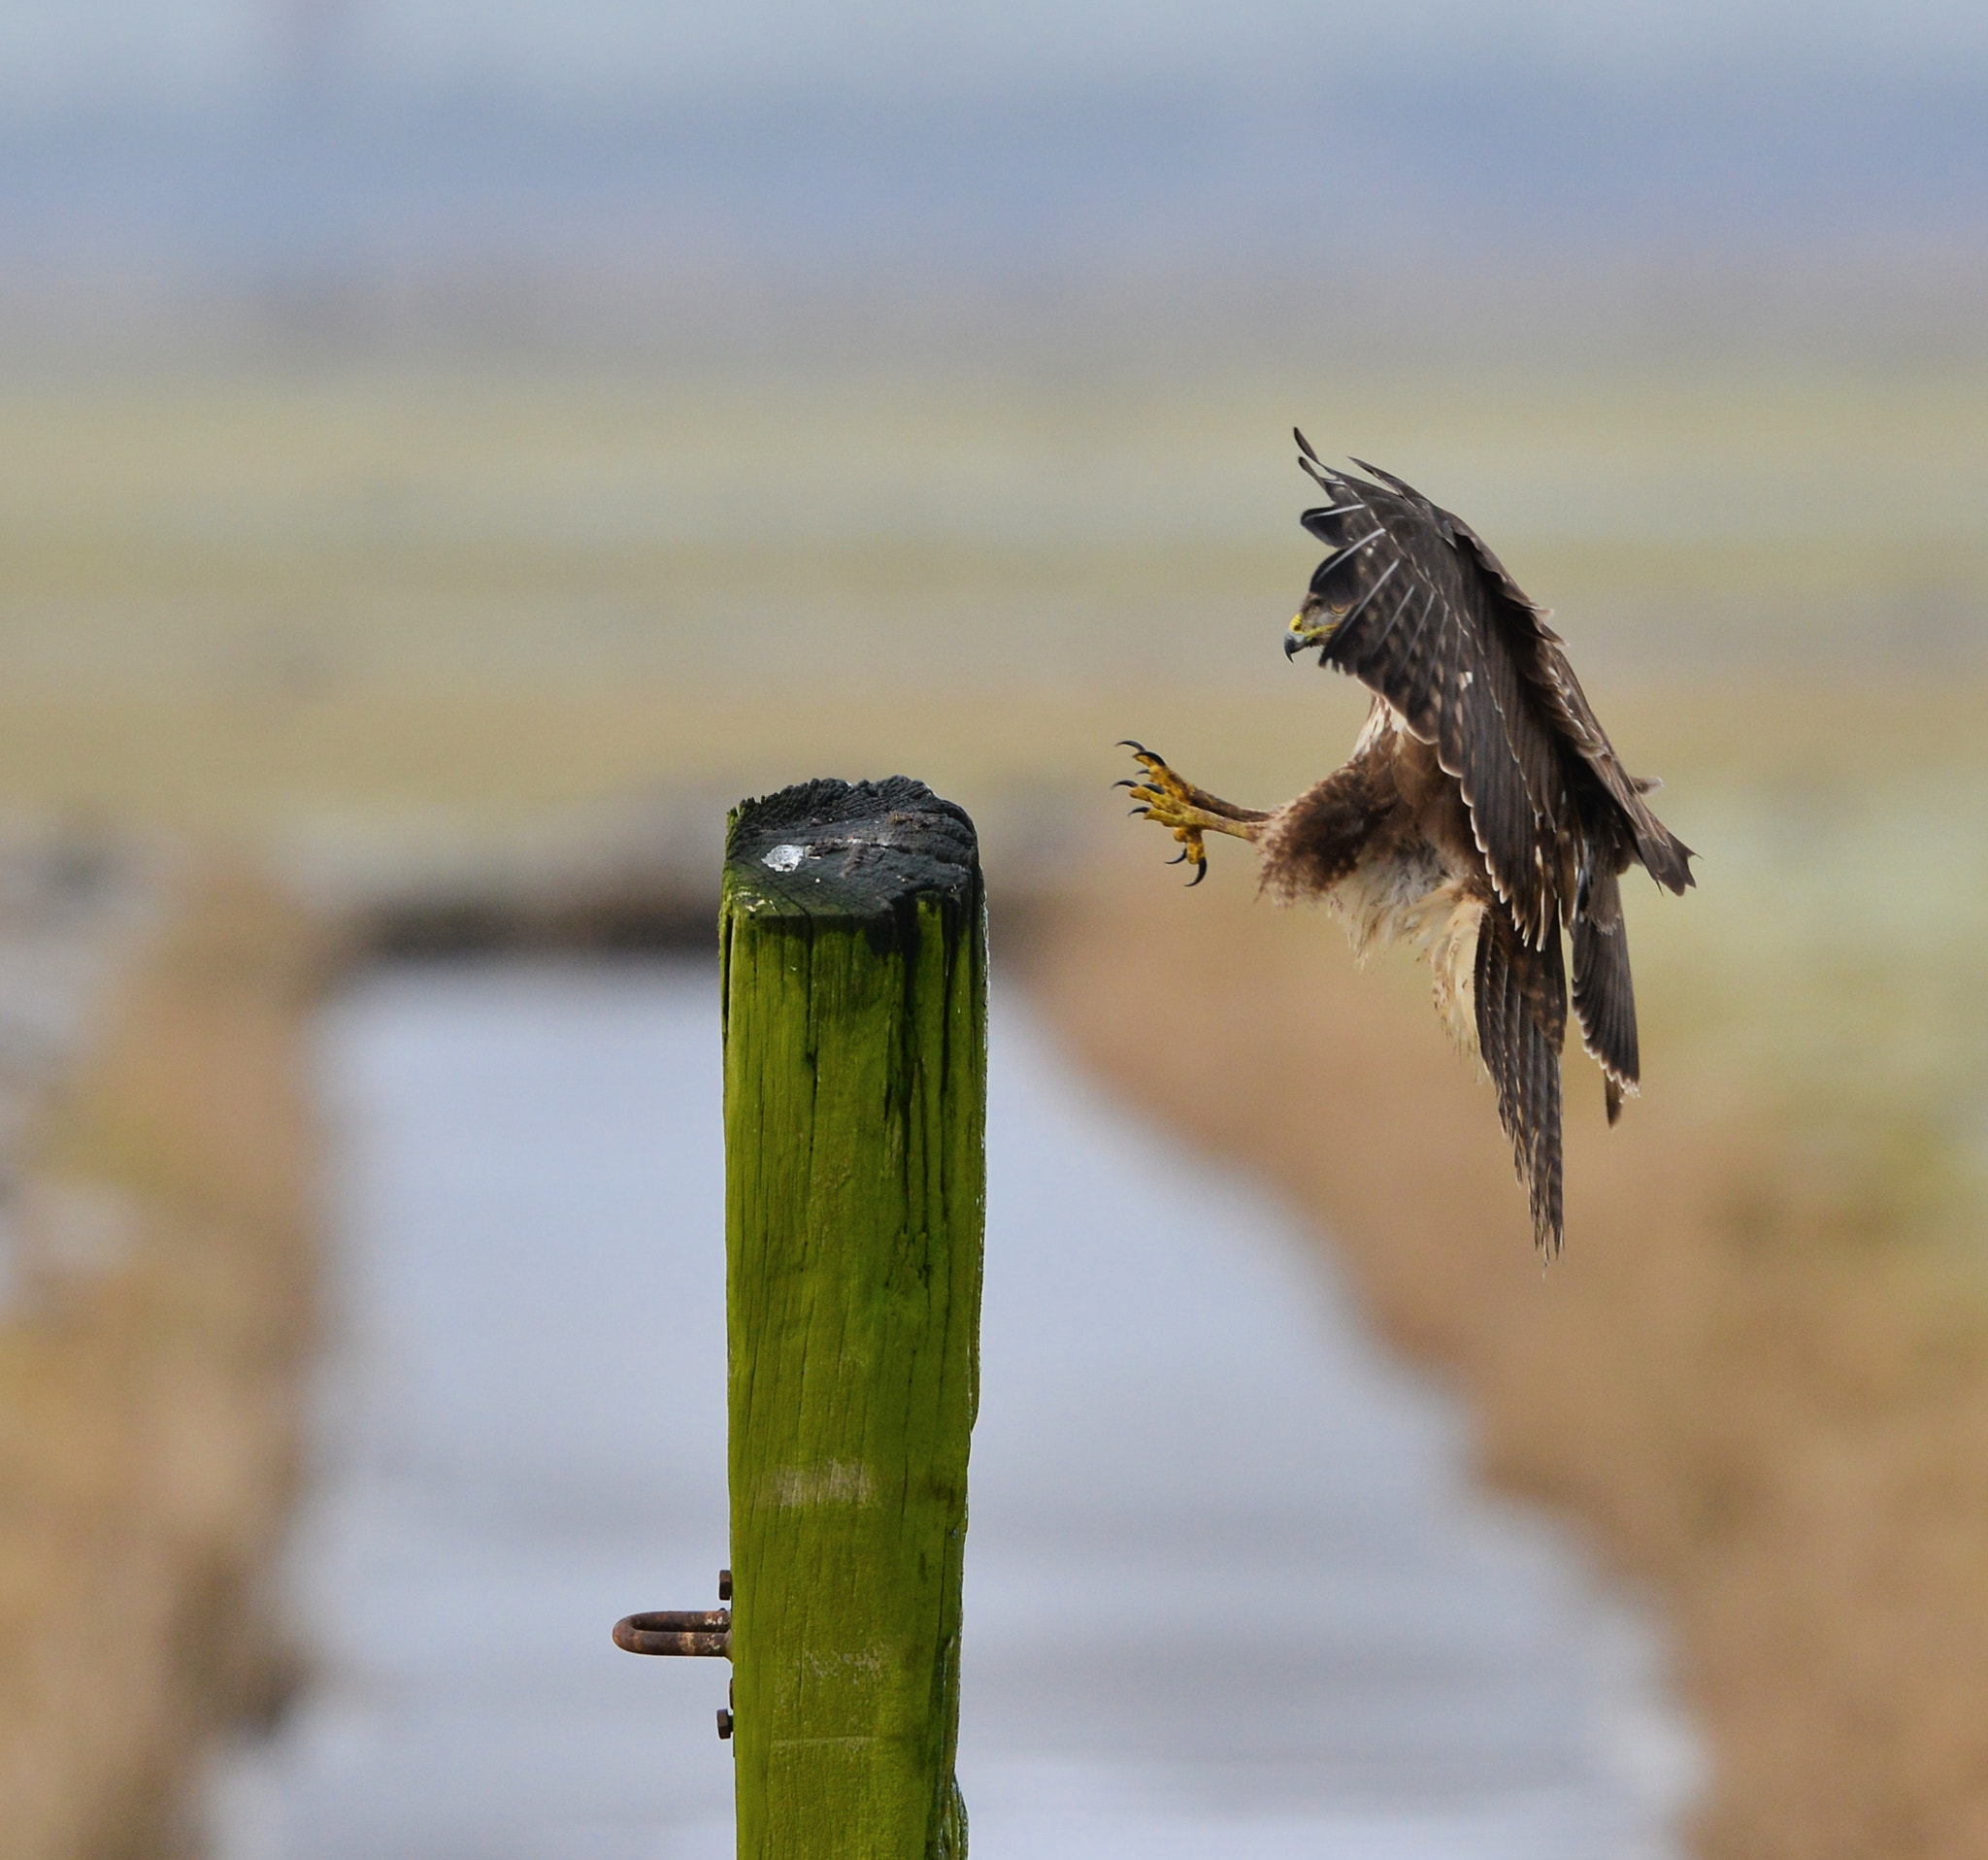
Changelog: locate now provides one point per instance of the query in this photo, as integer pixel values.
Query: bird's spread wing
(1544, 662)
(1430, 618)
(1521, 1007)
(1415, 624)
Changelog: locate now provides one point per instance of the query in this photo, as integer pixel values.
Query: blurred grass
(151, 1384)
(1833, 969)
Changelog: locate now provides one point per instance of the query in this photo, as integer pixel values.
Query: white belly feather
(1406, 891)
(1408, 894)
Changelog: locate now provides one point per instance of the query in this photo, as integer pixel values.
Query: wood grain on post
(854, 990)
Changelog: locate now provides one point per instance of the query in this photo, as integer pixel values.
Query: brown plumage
(1484, 811)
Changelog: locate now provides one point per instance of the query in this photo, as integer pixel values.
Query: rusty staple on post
(694, 1633)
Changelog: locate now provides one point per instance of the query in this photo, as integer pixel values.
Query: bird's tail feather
(1521, 1004)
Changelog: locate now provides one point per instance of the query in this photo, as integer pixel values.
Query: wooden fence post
(854, 991)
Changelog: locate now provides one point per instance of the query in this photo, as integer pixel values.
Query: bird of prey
(1484, 811)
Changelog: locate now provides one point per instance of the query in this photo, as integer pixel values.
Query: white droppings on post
(783, 858)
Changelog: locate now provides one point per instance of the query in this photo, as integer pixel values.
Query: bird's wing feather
(1604, 995)
(1543, 660)
(1521, 1007)
(1435, 624)
(1420, 625)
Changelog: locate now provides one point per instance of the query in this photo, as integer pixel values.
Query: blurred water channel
(1229, 1591)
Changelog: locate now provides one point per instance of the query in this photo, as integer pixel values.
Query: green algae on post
(854, 994)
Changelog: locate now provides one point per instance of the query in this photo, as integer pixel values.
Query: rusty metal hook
(692, 1634)
(688, 1632)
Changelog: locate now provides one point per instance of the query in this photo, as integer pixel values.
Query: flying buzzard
(1483, 810)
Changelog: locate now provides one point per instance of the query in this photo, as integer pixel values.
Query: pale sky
(192, 133)
(56, 52)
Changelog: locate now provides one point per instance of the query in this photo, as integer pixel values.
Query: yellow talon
(1164, 798)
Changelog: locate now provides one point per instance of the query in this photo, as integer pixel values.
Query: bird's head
(1313, 623)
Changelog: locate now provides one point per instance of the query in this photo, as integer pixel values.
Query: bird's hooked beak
(1303, 633)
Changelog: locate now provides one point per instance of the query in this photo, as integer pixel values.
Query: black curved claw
(1134, 812)
(1177, 857)
(1137, 748)
(1200, 873)
(1130, 781)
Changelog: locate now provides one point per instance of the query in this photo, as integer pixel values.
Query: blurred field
(356, 598)
(248, 598)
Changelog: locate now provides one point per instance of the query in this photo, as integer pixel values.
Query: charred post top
(861, 849)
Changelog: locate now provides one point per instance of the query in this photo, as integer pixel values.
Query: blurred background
(451, 453)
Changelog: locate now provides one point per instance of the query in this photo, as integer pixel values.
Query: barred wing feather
(1420, 624)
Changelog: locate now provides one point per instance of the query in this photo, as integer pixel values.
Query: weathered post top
(864, 849)
(854, 992)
